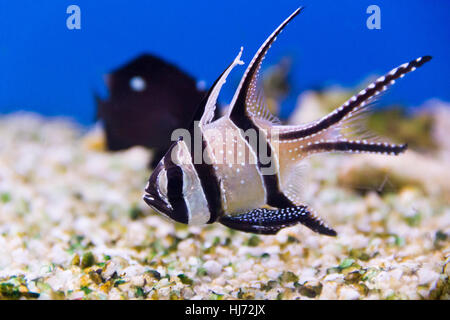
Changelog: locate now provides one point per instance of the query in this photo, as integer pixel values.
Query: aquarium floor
(73, 226)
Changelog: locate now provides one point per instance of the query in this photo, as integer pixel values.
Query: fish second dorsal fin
(247, 99)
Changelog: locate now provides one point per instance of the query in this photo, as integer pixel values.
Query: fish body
(149, 98)
(244, 169)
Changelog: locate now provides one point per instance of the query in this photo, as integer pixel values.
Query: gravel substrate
(73, 226)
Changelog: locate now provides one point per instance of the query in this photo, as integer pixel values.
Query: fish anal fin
(270, 221)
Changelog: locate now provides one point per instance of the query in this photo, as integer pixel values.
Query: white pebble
(349, 294)
(213, 268)
(427, 276)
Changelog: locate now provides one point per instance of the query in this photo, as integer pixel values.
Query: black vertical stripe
(205, 171)
(210, 186)
(175, 189)
(239, 116)
(274, 196)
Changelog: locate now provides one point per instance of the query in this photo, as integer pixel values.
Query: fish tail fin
(337, 130)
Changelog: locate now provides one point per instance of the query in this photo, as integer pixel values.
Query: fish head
(174, 189)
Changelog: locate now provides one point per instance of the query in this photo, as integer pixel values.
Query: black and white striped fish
(252, 184)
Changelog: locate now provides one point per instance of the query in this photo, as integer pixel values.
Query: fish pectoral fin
(270, 221)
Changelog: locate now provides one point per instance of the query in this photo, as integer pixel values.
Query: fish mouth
(157, 203)
(152, 197)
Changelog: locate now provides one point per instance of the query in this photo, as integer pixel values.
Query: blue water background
(46, 68)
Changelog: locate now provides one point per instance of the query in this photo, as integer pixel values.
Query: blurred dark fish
(149, 98)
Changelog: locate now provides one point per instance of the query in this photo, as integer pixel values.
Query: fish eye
(138, 84)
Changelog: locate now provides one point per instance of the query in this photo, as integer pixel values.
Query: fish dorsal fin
(247, 96)
(258, 108)
(206, 109)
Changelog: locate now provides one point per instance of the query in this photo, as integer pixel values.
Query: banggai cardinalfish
(246, 172)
